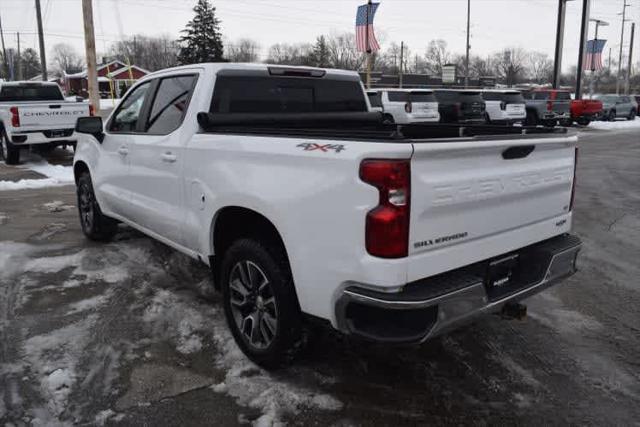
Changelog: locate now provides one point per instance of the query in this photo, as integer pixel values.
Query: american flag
(593, 60)
(365, 38)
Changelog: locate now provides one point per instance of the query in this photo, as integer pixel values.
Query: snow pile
(57, 206)
(92, 303)
(616, 125)
(53, 357)
(56, 175)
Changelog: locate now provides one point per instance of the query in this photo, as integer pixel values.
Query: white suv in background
(404, 106)
(504, 106)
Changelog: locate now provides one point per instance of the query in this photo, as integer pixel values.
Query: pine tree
(30, 61)
(202, 40)
(320, 54)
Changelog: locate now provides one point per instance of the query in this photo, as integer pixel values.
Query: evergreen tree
(202, 40)
(320, 54)
(30, 63)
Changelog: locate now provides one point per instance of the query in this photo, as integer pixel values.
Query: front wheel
(612, 116)
(10, 153)
(566, 122)
(632, 115)
(260, 303)
(584, 122)
(95, 225)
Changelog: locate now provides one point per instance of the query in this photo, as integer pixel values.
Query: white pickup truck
(307, 206)
(35, 114)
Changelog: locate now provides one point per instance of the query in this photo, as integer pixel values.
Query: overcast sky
(495, 24)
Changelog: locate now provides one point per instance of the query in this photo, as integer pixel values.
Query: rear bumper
(44, 136)
(432, 306)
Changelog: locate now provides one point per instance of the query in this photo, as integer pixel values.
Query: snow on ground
(616, 125)
(57, 206)
(109, 104)
(56, 175)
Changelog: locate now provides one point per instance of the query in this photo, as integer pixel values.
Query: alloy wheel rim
(253, 304)
(86, 207)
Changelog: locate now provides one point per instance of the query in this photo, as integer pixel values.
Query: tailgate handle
(55, 106)
(519, 152)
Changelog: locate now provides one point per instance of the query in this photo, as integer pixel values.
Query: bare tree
(540, 67)
(151, 53)
(510, 65)
(343, 52)
(243, 50)
(65, 59)
(290, 54)
(481, 67)
(436, 56)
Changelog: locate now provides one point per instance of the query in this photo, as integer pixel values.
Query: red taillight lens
(573, 185)
(408, 107)
(92, 110)
(549, 106)
(15, 117)
(387, 225)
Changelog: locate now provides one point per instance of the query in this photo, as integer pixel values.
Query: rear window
(541, 95)
(31, 93)
(398, 96)
(454, 96)
(257, 94)
(563, 96)
(422, 97)
(374, 99)
(509, 98)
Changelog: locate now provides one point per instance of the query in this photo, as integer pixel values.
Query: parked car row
(404, 106)
(618, 106)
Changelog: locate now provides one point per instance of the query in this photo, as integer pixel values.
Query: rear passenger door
(157, 159)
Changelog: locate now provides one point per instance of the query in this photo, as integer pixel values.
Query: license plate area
(501, 272)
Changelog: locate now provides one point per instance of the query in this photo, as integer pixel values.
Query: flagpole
(368, 47)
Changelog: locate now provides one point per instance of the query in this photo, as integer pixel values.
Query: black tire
(532, 119)
(487, 119)
(584, 122)
(632, 115)
(388, 118)
(550, 123)
(612, 116)
(95, 225)
(277, 346)
(9, 152)
(566, 122)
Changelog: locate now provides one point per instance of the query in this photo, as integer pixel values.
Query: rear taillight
(549, 106)
(408, 107)
(573, 184)
(15, 117)
(387, 225)
(92, 110)
(503, 105)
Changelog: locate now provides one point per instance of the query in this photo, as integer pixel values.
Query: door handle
(123, 151)
(168, 157)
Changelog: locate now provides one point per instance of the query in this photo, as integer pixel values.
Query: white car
(36, 114)
(504, 106)
(405, 106)
(305, 205)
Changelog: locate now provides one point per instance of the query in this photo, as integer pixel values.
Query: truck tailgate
(465, 194)
(51, 115)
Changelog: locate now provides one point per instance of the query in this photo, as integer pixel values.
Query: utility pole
(466, 61)
(584, 34)
(624, 14)
(626, 85)
(401, 64)
(4, 53)
(557, 59)
(43, 58)
(90, 47)
(18, 60)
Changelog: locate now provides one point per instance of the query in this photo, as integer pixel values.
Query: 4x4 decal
(324, 148)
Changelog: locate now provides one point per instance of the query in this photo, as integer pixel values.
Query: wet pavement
(130, 333)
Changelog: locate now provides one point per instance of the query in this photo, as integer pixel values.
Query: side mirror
(92, 126)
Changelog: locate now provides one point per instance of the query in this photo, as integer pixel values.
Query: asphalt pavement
(130, 333)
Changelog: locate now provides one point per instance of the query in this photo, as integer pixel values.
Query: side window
(128, 113)
(170, 104)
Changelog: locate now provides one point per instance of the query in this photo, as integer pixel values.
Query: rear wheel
(388, 118)
(566, 122)
(612, 116)
(10, 153)
(632, 115)
(260, 302)
(95, 225)
(584, 122)
(532, 119)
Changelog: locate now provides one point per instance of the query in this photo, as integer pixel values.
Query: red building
(114, 78)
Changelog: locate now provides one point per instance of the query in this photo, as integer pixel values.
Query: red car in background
(584, 111)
